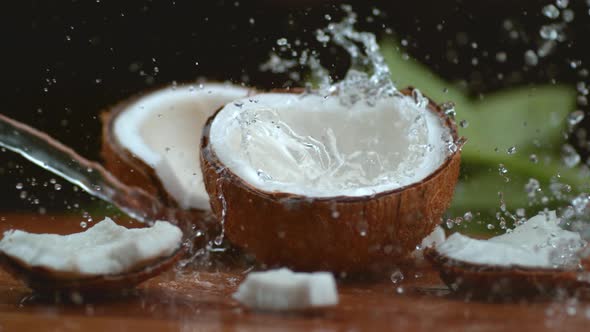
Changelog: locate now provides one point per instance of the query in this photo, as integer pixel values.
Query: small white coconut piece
(437, 236)
(104, 249)
(163, 129)
(283, 289)
(538, 243)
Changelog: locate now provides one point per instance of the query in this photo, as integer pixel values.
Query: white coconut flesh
(104, 249)
(538, 243)
(437, 236)
(315, 146)
(163, 129)
(282, 289)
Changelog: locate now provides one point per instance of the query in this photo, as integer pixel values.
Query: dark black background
(87, 55)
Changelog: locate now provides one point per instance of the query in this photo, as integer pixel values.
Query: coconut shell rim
(208, 153)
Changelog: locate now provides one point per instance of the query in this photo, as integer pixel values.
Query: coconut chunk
(314, 146)
(282, 289)
(437, 236)
(538, 243)
(104, 249)
(163, 129)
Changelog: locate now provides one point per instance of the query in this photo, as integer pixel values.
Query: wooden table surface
(198, 299)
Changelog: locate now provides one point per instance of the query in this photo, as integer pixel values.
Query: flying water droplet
(549, 32)
(501, 57)
(397, 276)
(551, 11)
(449, 109)
(450, 223)
(511, 150)
(282, 41)
(582, 89)
(468, 216)
(570, 156)
(562, 3)
(546, 48)
(568, 15)
(530, 58)
(532, 187)
(575, 117)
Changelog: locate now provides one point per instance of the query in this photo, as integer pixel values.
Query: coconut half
(303, 181)
(104, 257)
(536, 257)
(152, 141)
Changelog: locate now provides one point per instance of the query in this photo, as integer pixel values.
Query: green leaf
(479, 192)
(517, 117)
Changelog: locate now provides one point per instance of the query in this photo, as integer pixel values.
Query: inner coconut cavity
(538, 243)
(163, 129)
(315, 146)
(104, 249)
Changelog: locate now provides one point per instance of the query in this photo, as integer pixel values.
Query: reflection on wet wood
(200, 299)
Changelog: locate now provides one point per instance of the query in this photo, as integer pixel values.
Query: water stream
(55, 157)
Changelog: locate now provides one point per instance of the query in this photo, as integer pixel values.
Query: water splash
(368, 78)
(319, 162)
(367, 81)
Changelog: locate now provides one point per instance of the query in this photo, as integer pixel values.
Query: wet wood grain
(199, 299)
